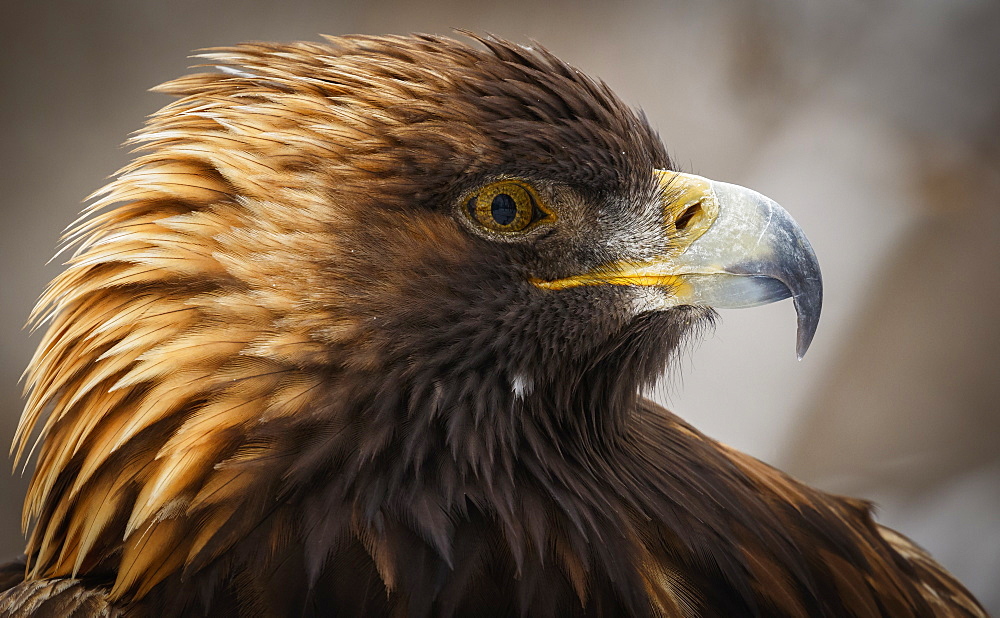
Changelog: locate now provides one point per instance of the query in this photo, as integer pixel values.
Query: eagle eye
(506, 206)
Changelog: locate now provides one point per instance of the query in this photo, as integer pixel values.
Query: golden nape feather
(362, 331)
(177, 323)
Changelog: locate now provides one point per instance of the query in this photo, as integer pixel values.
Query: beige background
(875, 123)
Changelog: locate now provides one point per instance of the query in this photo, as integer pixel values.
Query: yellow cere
(689, 205)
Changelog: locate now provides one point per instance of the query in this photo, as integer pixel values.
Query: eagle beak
(729, 247)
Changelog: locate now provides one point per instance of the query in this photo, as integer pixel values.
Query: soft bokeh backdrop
(875, 123)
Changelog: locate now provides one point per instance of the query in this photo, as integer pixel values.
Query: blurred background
(876, 124)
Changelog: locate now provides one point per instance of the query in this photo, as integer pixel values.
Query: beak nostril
(690, 213)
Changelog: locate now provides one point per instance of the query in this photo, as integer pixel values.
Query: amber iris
(506, 206)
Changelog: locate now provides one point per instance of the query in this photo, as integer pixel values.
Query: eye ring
(506, 207)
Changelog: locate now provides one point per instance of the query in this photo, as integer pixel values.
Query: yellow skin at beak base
(679, 193)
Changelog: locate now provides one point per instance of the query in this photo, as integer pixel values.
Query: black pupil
(503, 208)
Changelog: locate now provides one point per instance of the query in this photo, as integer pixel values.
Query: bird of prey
(363, 331)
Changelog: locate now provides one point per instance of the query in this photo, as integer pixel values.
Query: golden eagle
(362, 331)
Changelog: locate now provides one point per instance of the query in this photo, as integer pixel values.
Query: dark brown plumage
(304, 362)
